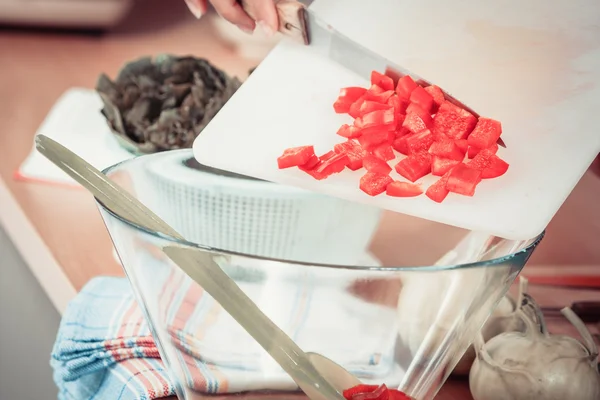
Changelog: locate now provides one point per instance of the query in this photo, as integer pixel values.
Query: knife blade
(299, 22)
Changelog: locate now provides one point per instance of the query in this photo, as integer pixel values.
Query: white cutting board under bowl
(534, 65)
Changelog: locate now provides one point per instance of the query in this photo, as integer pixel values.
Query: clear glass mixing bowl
(302, 257)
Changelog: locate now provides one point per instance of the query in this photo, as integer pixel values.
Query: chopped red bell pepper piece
(400, 144)
(486, 133)
(346, 97)
(348, 393)
(415, 166)
(378, 118)
(403, 189)
(313, 171)
(462, 145)
(453, 121)
(354, 110)
(310, 164)
(381, 393)
(437, 94)
(416, 119)
(398, 104)
(381, 80)
(370, 106)
(405, 87)
(463, 180)
(295, 156)
(473, 151)
(447, 148)
(374, 184)
(420, 97)
(373, 139)
(384, 151)
(438, 191)
(439, 165)
(376, 165)
(373, 392)
(354, 151)
(382, 97)
(420, 141)
(333, 165)
(349, 131)
(490, 165)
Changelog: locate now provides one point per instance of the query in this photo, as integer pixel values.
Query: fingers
(233, 12)
(265, 14)
(197, 7)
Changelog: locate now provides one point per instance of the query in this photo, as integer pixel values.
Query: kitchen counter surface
(59, 231)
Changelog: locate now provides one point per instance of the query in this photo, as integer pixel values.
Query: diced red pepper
(416, 119)
(398, 104)
(400, 120)
(346, 97)
(453, 121)
(405, 87)
(438, 191)
(447, 148)
(462, 145)
(403, 189)
(420, 141)
(348, 393)
(439, 165)
(354, 151)
(310, 164)
(374, 184)
(373, 392)
(400, 144)
(437, 94)
(415, 166)
(333, 165)
(420, 97)
(376, 165)
(381, 80)
(381, 393)
(463, 180)
(473, 151)
(349, 131)
(382, 97)
(313, 171)
(370, 106)
(373, 139)
(354, 110)
(295, 156)
(490, 165)
(486, 133)
(384, 151)
(378, 118)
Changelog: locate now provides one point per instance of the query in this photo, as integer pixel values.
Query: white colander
(257, 217)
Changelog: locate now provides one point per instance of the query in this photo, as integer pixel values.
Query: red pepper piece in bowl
(374, 392)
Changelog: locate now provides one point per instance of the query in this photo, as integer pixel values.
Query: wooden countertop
(58, 230)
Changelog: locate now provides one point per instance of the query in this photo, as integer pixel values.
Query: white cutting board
(534, 65)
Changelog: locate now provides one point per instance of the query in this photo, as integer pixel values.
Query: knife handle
(292, 20)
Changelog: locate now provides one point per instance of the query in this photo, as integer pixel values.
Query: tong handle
(292, 20)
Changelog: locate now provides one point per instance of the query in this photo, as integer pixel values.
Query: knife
(298, 21)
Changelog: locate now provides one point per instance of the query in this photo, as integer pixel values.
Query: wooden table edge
(34, 251)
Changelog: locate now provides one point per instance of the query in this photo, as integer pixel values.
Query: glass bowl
(405, 326)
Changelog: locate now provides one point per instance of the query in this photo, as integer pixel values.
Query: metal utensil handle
(198, 264)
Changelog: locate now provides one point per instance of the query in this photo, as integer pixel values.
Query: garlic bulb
(534, 365)
(503, 319)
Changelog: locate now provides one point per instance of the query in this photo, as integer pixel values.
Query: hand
(232, 11)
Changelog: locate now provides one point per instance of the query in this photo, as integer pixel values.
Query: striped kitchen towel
(104, 348)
